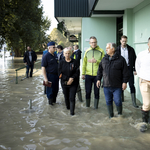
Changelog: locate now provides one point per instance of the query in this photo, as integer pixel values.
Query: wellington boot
(96, 102)
(145, 116)
(50, 101)
(88, 102)
(134, 100)
(119, 109)
(72, 108)
(110, 111)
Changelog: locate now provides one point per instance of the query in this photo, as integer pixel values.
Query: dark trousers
(27, 70)
(131, 82)
(53, 90)
(89, 80)
(69, 94)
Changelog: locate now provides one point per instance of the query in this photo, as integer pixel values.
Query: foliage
(22, 24)
(58, 37)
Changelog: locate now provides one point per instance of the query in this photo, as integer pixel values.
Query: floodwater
(47, 127)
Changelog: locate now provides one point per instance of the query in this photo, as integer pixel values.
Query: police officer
(50, 72)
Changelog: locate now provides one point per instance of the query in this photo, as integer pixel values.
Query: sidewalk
(52, 128)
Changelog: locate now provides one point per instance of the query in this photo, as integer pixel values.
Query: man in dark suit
(29, 59)
(129, 54)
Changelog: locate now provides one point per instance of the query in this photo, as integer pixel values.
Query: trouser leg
(31, 71)
(122, 96)
(88, 88)
(27, 71)
(66, 96)
(96, 93)
(79, 94)
(72, 93)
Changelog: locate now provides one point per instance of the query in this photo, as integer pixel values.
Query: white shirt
(124, 53)
(76, 50)
(142, 65)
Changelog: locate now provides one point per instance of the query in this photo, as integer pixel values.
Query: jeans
(89, 80)
(27, 70)
(113, 94)
(53, 90)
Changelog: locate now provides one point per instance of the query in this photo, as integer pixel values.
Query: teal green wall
(136, 25)
(104, 29)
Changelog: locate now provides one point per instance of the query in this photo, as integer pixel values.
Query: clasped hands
(93, 60)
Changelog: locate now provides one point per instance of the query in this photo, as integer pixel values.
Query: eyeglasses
(53, 47)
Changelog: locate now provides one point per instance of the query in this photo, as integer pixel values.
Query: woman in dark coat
(69, 72)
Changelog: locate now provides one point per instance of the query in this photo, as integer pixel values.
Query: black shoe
(110, 111)
(134, 100)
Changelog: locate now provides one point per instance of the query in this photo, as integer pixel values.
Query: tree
(22, 24)
(58, 37)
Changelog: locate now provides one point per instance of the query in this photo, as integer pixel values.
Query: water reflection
(52, 127)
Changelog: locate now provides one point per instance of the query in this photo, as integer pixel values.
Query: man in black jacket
(114, 70)
(129, 54)
(29, 59)
(77, 56)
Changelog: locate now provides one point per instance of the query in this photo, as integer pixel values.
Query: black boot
(72, 108)
(119, 109)
(88, 102)
(134, 100)
(110, 111)
(122, 96)
(50, 101)
(96, 101)
(79, 96)
(145, 116)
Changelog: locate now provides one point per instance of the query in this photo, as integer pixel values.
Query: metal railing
(23, 68)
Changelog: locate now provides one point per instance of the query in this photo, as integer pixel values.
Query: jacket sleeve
(35, 56)
(125, 72)
(77, 72)
(100, 71)
(134, 59)
(84, 64)
(24, 59)
(59, 68)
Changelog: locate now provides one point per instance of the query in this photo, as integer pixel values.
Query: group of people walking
(112, 71)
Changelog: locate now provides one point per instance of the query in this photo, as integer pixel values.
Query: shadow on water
(47, 127)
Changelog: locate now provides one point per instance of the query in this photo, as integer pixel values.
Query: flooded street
(46, 127)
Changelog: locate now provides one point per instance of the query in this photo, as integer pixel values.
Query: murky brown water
(47, 127)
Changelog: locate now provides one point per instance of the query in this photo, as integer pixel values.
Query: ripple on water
(30, 147)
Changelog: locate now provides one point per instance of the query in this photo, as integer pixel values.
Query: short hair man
(30, 58)
(129, 54)
(91, 60)
(50, 72)
(60, 52)
(114, 70)
(143, 72)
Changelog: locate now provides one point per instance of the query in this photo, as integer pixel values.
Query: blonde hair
(68, 49)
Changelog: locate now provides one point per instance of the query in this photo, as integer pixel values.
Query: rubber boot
(72, 108)
(134, 100)
(50, 101)
(119, 109)
(122, 96)
(110, 111)
(145, 119)
(79, 96)
(44, 89)
(96, 101)
(88, 102)
(145, 116)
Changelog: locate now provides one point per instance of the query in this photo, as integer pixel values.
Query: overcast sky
(48, 8)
